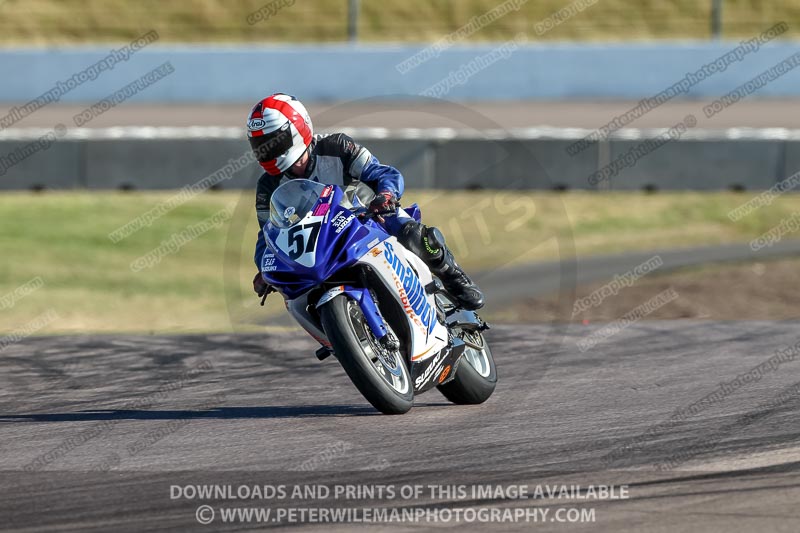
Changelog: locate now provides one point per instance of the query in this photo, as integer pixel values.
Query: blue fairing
(414, 212)
(333, 251)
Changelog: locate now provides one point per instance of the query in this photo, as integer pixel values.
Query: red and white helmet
(279, 130)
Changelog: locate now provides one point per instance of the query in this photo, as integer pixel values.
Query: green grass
(78, 21)
(63, 237)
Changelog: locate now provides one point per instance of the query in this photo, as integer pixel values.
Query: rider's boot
(428, 244)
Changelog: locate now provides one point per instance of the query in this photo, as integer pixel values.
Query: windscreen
(291, 201)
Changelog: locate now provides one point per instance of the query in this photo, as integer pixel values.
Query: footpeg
(323, 353)
(434, 286)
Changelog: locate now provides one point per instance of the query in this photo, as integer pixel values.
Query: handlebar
(366, 214)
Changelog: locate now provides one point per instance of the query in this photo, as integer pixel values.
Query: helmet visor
(272, 145)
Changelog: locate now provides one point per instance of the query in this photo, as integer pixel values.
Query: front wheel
(379, 374)
(476, 377)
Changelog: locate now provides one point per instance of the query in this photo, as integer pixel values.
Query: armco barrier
(170, 158)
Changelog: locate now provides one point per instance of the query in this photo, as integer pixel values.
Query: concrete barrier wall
(343, 72)
(703, 165)
(704, 162)
(61, 166)
(160, 164)
(513, 164)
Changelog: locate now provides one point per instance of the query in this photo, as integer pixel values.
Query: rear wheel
(378, 373)
(476, 377)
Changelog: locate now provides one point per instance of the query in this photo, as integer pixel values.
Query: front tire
(476, 377)
(381, 376)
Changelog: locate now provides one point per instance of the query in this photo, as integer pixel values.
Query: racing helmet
(279, 130)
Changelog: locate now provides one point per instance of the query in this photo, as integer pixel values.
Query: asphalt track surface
(416, 114)
(261, 410)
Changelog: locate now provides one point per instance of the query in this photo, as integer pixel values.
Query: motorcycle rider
(282, 138)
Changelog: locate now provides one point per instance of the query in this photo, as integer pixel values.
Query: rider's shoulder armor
(338, 159)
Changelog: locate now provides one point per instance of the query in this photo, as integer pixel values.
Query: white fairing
(406, 275)
(297, 308)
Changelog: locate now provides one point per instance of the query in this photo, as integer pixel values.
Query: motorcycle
(370, 302)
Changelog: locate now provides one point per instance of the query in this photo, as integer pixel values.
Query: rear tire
(356, 349)
(476, 377)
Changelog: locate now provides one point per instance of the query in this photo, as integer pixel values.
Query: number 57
(296, 236)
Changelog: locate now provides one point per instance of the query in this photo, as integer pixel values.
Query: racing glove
(261, 287)
(384, 201)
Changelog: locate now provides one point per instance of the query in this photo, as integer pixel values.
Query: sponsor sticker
(429, 371)
(256, 124)
(412, 295)
(340, 221)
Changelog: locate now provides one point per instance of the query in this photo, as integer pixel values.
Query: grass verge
(84, 21)
(90, 285)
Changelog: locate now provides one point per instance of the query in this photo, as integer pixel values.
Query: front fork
(455, 319)
(372, 314)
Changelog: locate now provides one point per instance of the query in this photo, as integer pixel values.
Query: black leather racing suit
(334, 159)
(337, 159)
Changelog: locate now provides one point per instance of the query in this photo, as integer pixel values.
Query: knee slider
(435, 238)
(425, 242)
